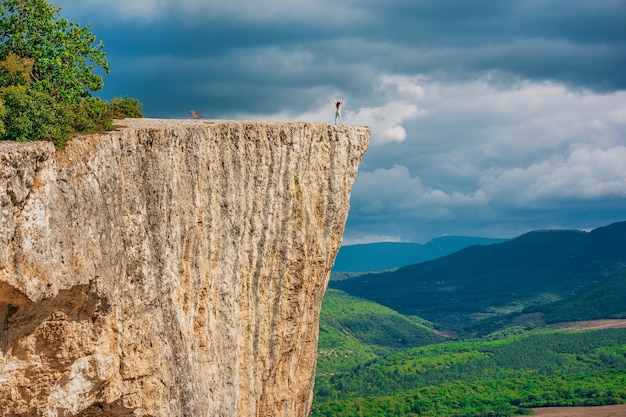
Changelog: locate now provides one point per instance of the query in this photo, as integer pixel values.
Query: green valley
(503, 374)
(476, 333)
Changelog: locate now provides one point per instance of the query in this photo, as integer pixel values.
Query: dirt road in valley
(605, 411)
(591, 325)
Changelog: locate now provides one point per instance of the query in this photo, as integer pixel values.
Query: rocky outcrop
(170, 268)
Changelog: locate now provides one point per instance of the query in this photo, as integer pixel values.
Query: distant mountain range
(552, 275)
(388, 255)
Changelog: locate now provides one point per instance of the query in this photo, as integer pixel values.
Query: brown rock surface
(170, 268)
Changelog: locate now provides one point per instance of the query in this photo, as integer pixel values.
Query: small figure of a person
(338, 105)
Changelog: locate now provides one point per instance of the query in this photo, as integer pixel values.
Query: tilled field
(605, 411)
(591, 325)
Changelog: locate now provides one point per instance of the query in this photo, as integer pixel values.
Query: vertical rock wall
(170, 268)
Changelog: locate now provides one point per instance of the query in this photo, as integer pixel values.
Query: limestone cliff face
(170, 268)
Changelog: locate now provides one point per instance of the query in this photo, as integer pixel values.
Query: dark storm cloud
(578, 43)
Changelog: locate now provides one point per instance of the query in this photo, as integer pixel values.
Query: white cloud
(395, 191)
(385, 121)
(478, 149)
(403, 84)
(399, 95)
(584, 173)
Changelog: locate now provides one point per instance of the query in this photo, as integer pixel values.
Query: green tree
(29, 112)
(48, 70)
(64, 54)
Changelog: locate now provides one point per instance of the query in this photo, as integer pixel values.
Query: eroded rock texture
(170, 268)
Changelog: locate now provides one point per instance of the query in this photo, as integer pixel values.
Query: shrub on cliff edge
(47, 74)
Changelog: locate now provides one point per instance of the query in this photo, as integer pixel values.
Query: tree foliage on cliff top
(47, 73)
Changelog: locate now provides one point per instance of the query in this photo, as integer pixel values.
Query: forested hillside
(354, 331)
(605, 299)
(501, 377)
(563, 274)
(495, 304)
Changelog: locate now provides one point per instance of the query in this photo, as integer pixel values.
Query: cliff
(170, 268)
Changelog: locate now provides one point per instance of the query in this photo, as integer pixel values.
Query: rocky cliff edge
(170, 268)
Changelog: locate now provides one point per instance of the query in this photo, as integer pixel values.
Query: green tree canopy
(64, 54)
(48, 69)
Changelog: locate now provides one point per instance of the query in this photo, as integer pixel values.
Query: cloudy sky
(489, 117)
